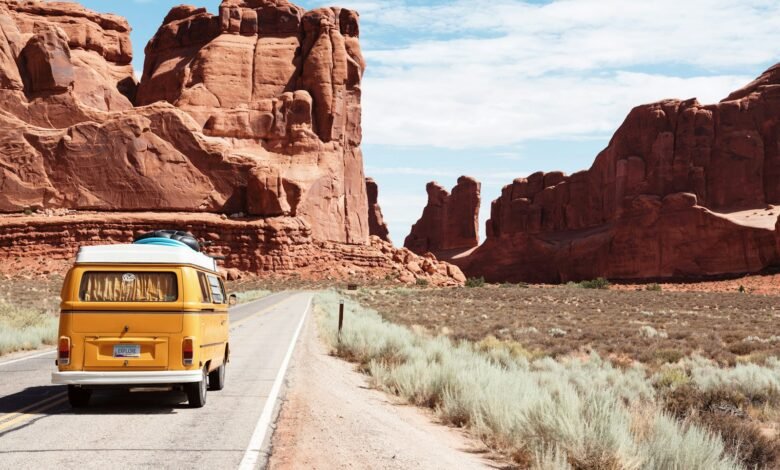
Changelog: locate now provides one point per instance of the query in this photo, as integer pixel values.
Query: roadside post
(341, 317)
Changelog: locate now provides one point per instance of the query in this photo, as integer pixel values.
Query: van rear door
(127, 318)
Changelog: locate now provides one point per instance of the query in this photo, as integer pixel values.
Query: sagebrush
(24, 328)
(583, 413)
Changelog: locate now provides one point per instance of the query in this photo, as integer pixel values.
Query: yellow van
(149, 314)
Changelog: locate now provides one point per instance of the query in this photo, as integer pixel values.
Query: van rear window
(103, 286)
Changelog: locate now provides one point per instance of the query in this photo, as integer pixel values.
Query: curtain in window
(128, 287)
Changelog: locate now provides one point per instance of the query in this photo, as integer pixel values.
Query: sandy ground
(760, 218)
(762, 284)
(332, 420)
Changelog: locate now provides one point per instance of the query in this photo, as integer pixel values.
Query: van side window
(205, 288)
(217, 294)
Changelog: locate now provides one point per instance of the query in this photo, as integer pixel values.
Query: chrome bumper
(126, 378)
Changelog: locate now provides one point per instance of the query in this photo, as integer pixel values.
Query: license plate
(127, 350)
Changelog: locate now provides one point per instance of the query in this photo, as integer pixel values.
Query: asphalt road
(38, 429)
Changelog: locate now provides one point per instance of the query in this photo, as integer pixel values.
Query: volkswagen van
(149, 314)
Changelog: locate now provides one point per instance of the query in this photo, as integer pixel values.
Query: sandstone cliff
(376, 221)
(449, 221)
(227, 101)
(254, 111)
(682, 190)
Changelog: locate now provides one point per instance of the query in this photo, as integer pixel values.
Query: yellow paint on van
(158, 327)
(154, 331)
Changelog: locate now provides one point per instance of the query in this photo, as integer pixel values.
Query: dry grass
(652, 327)
(28, 313)
(696, 345)
(581, 413)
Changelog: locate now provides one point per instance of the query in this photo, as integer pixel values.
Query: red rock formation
(666, 199)
(46, 244)
(449, 221)
(246, 98)
(376, 222)
(253, 111)
(275, 81)
(228, 100)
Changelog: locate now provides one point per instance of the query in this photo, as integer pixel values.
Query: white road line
(32, 356)
(253, 450)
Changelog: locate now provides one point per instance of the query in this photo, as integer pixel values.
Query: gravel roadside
(332, 420)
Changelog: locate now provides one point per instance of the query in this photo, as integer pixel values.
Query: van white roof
(143, 254)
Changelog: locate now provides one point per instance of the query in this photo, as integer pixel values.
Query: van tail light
(63, 351)
(187, 351)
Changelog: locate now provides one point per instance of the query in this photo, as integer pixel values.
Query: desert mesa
(683, 191)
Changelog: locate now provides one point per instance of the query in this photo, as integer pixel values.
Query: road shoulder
(331, 419)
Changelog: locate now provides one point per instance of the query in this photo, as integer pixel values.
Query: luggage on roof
(166, 237)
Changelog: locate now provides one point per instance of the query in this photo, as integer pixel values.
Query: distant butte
(449, 222)
(376, 221)
(683, 191)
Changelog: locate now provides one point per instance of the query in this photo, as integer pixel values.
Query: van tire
(78, 397)
(217, 378)
(196, 391)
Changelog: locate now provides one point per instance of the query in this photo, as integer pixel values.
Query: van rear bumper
(126, 378)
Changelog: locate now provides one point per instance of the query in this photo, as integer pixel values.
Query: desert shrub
(680, 446)
(668, 355)
(502, 352)
(550, 459)
(598, 283)
(250, 295)
(647, 331)
(25, 328)
(744, 439)
(743, 348)
(687, 400)
(759, 384)
(421, 282)
(655, 287)
(671, 377)
(544, 413)
(556, 332)
(722, 412)
(475, 282)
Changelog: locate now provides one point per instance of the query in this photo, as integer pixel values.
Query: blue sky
(500, 89)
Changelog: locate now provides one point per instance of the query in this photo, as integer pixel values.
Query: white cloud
(560, 70)
(482, 75)
(468, 108)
